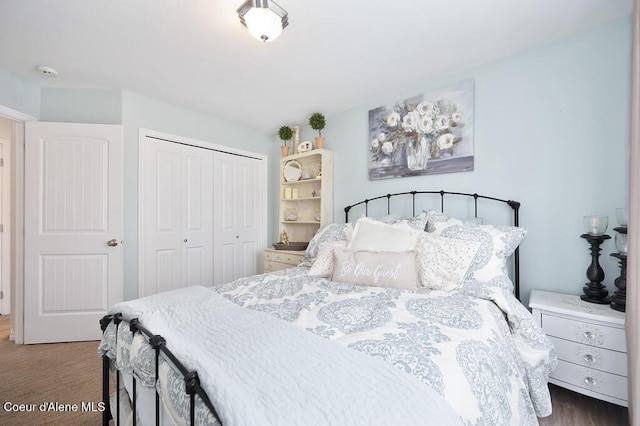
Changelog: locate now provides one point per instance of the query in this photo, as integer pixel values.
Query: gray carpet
(58, 373)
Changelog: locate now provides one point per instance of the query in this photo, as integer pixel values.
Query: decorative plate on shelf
(292, 171)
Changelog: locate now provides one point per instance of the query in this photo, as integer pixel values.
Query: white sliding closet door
(176, 241)
(238, 225)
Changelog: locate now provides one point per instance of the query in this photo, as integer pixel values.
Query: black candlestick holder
(619, 298)
(595, 292)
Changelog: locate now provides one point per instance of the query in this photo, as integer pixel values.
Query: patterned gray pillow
(419, 221)
(497, 243)
(330, 233)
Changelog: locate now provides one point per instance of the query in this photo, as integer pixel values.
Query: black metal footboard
(158, 343)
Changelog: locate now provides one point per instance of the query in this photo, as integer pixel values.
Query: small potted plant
(317, 122)
(285, 133)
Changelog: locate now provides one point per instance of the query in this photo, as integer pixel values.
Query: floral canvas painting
(423, 135)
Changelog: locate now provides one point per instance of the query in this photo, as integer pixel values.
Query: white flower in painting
(410, 121)
(445, 141)
(456, 117)
(425, 125)
(393, 119)
(425, 108)
(382, 137)
(387, 148)
(442, 122)
(375, 143)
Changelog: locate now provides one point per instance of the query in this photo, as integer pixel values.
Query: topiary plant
(285, 133)
(317, 122)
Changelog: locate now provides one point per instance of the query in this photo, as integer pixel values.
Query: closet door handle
(185, 240)
(112, 243)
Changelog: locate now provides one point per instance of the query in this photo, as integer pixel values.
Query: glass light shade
(621, 242)
(263, 23)
(595, 225)
(622, 216)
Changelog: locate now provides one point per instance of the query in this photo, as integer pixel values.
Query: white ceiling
(333, 56)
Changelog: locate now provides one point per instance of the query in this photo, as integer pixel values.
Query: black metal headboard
(515, 206)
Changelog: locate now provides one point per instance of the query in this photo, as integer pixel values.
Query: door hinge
(1, 228)
(1, 294)
(1, 162)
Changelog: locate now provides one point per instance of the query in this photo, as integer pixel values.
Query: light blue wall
(19, 95)
(141, 112)
(134, 112)
(551, 131)
(98, 106)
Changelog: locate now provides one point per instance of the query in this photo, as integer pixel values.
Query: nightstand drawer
(284, 257)
(586, 333)
(591, 356)
(593, 380)
(275, 266)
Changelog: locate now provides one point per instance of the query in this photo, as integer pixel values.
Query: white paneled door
(176, 242)
(238, 226)
(73, 229)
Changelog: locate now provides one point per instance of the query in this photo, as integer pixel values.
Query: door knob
(112, 243)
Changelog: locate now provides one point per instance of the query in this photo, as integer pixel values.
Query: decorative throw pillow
(332, 232)
(419, 221)
(433, 216)
(442, 262)
(372, 235)
(497, 243)
(390, 218)
(377, 269)
(323, 263)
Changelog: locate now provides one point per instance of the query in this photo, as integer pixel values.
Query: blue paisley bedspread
(477, 346)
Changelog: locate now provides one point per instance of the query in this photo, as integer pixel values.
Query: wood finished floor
(70, 373)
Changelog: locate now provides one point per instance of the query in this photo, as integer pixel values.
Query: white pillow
(323, 263)
(372, 235)
(375, 268)
(443, 262)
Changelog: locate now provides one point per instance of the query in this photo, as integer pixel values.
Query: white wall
(551, 131)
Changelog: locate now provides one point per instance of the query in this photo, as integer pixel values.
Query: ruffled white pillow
(372, 235)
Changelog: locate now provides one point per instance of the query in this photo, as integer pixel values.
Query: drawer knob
(589, 358)
(589, 335)
(590, 381)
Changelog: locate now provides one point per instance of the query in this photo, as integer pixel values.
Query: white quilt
(260, 370)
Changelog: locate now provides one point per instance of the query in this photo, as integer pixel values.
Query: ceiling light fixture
(264, 19)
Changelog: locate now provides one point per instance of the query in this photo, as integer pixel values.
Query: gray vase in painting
(417, 148)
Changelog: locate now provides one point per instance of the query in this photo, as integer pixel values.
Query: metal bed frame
(191, 380)
(158, 343)
(515, 206)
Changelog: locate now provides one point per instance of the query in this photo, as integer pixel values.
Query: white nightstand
(274, 260)
(590, 342)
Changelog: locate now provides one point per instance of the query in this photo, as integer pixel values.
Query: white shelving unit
(308, 199)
